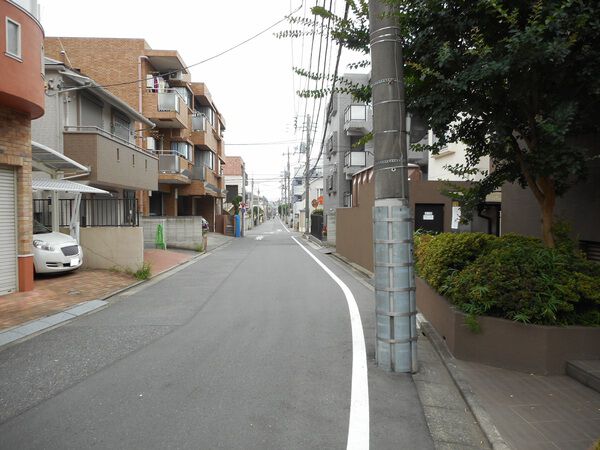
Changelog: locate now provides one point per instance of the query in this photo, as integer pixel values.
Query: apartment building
(348, 122)
(21, 101)
(90, 125)
(188, 136)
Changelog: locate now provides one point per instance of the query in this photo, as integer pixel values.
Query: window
(181, 148)
(13, 38)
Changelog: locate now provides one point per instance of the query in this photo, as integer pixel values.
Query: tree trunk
(547, 207)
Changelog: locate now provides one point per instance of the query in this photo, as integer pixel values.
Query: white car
(54, 252)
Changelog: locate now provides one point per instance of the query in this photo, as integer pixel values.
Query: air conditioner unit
(176, 76)
(150, 143)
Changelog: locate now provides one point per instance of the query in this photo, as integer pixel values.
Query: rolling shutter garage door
(8, 240)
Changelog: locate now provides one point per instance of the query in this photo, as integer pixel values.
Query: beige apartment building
(188, 136)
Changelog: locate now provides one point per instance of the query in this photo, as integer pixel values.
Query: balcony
(166, 109)
(172, 168)
(202, 133)
(358, 120)
(353, 162)
(112, 159)
(204, 182)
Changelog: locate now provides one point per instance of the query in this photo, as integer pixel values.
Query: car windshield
(38, 228)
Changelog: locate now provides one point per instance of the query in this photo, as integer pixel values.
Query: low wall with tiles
(507, 344)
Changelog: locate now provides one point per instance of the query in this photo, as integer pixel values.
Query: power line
(245, 41)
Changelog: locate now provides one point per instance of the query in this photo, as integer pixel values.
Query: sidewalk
(514, 410)
(54, 294)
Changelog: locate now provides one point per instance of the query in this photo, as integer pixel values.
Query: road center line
(358, 429)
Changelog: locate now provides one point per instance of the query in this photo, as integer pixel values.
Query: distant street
(249, 347)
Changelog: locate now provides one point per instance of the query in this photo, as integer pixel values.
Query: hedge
(513, 277)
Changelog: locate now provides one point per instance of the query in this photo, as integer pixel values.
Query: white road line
(358, 429)
(259, 237)
(284, 227)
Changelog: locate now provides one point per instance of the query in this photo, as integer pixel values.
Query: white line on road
(284, 227)
(259, 237)
(358, 428)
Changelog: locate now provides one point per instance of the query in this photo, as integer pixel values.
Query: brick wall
(105, 60)
(15, 151)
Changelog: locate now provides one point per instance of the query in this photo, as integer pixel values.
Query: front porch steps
(587, 372)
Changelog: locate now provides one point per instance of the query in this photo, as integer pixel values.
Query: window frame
(18, 56)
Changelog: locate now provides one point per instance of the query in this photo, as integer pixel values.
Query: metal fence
(316, 226)
(109, 212)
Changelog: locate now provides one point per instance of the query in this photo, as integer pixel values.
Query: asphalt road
(249, 347)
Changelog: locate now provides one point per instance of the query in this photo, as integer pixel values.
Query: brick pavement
(55, 293)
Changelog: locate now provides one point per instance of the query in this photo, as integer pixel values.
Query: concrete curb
(486, 425)
(30, 329)
(484, 420)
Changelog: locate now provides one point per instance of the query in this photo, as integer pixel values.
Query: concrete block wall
(179, 232)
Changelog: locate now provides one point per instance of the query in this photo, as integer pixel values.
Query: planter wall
(507, 344)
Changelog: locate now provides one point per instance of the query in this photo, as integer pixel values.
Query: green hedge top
(512, 277)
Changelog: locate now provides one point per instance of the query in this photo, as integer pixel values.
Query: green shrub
(439, 257)
(144, 272)
(513, 277)
(520, 279)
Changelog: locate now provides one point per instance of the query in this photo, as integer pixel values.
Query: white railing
(355, 112)
(355, 159)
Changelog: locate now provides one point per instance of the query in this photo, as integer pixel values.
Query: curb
(20, 333)
(483, 419)
(35, 327)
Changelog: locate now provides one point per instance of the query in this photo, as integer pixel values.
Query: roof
(64, 186)
(49, 160)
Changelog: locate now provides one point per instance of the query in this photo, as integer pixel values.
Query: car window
(38, 228)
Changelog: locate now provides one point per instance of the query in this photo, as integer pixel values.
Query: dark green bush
(439, 257)
(512, 277)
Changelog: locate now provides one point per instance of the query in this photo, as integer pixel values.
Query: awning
(64, 186)
(49, 160)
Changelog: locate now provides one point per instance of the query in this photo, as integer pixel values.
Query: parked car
(53, 251)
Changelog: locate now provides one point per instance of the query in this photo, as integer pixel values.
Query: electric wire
(239, 44)
(335, 73)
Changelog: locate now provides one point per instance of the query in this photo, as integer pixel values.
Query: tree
(236, 204)
(514, 80)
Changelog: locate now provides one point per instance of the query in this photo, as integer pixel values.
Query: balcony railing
(103, 132)
(109, 212)
(199, 122)
(168, 161)
(355, 159)
(355, 112)
(169, 101)
(199, 172)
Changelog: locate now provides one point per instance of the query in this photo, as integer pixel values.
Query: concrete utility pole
(396, 346)
(252, 203)
(306, 176)
(288, 187)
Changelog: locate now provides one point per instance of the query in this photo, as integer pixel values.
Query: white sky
(253, 85)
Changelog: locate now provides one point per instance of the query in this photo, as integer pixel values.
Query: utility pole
(252, 203)
(395, 303)
(306, 176)
(288, 187)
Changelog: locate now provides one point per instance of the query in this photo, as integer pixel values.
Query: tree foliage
(516, 81)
